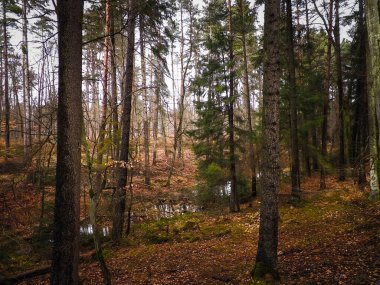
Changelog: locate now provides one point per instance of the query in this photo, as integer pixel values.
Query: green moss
(264, 274)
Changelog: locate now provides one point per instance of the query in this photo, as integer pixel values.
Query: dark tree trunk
(68, 174)
(234, 197)
(373, 68)
(118, 218)
(338, 61)
(26, 86)
(247, 99)
(362, 106)
(266, 258)
(326, 97)
(157, 73)
(114, 105)
(295, 174)
(145, 98)
(6, 82)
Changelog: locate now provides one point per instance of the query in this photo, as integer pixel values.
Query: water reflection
(168, 209)
(88, 230)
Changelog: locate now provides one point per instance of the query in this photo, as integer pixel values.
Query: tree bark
(26, 86)
(68, 174)
(266, 258)
(122, 171)
(373, 59)
(6, 82)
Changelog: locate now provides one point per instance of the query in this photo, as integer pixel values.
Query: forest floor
(331, 237)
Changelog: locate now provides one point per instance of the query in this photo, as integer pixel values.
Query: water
(172, 208)
(88, 230)
(225, 189)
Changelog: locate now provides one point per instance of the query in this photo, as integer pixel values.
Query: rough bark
(266, 258)
(6, 82)
(373, 65)
(120, 193)
(68, 174)
(26, 86)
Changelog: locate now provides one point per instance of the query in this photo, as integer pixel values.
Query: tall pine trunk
(247, 99)
(26, 86)
(68, 174)
(373, 64)
(6, 82)
(338, 62)
(326, 96)
(145, 99)
(122, 171)
(234, 197)
(266, 258)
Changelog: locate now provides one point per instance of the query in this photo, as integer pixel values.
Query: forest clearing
(189, 142)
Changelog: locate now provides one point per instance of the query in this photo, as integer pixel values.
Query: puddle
(170, 209)
(88, 230)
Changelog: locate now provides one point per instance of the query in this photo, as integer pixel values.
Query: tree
(326, 86)
(266, 258)
(293, 106)
(122, 174)
(234, 199)
(373, 59)
(146, 122)
(6, 82)
(68, 174)
(26, 85)
(247, 92)
(338, 62)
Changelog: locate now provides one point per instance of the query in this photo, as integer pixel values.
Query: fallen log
(38, 271)
(25, 275)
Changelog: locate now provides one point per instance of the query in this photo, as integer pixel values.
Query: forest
(189, 142)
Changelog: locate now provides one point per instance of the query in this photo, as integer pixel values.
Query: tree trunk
(373, 59)
(145, 98)
(184, 69)
(114, 106)
(361, 125)
(326, 97)
(26, 86)
(266, 258)
(118, 218)
(6, 82)
(338, 61)
(234, 196)
(157, 90)
(295, 166)
(247, 97)
(68, 175)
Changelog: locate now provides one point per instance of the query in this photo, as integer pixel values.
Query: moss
(264, 274)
